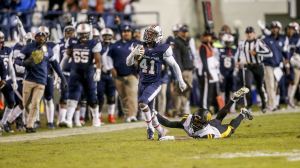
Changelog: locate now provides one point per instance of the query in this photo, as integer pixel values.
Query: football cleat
(167, 138)
(96, 122)
(111, 118)
(7, 128)
(50, 126)
(246, 113)
(150, 133)
(240, 93)
(30, 130)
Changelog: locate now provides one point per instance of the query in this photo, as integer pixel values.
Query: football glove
(14, 85)
(182, 86)
(97, 75)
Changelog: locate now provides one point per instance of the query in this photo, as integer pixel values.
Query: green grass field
(277, 137)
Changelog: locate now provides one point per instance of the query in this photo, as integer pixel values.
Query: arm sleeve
(167, 123)
(285, 49)
(130, 58)
(55, 50)
(97, 48)
(57, 69)
(169, 59)
(11, 67)
(262, 49)
(203, 58)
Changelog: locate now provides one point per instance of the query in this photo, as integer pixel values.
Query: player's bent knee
(143, 107)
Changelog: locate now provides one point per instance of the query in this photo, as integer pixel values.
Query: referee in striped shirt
(251, 53)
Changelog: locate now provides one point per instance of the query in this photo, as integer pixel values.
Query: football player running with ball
(149, 57)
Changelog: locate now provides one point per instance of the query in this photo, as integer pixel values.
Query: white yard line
(105, 128)
(71, 132)
(293, 155)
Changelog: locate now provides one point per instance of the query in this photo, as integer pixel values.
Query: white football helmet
(96, 32)
(44, 29)
(107, 35)
(152, 34)
(83, 31)
(294, 25)
(227, 38)
(276, 24)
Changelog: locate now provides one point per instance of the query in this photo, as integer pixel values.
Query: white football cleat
(167, 138)
(96, 122)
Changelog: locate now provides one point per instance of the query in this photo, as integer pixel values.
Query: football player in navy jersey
(84, 53)
(65, 63)
(227, 66)
(37, 55)
(10, 85)
(150, 56)
(106, 84)
(17, 71)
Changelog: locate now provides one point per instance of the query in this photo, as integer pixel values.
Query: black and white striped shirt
(257, 45)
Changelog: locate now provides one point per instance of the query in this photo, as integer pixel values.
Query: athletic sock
(72, 104)
(49, 110)
(62, 114)
(6, 113)
(148, 117)
(14, 114)
(111, 109)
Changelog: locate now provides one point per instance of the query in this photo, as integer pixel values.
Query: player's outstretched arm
(167, 123)
(169, 59)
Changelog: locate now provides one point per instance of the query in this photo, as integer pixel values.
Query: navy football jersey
(150, 66)
(227, 60)
(83, 54)
(4, 54)
(3, 70)
(41, 56)
(18, 61)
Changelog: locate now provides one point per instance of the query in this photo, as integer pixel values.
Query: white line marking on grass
(293, 155)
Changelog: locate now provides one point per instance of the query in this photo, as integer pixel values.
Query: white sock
(62, 114)
(148, 117)
(277, 100)
(71, 106)
(38, 116)
(49, 110)
(157, 126)
(82, 112)
(77, 118)
(187, 109)
(111, 109)
(95, 114)
(14, 114)
(6, 113)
